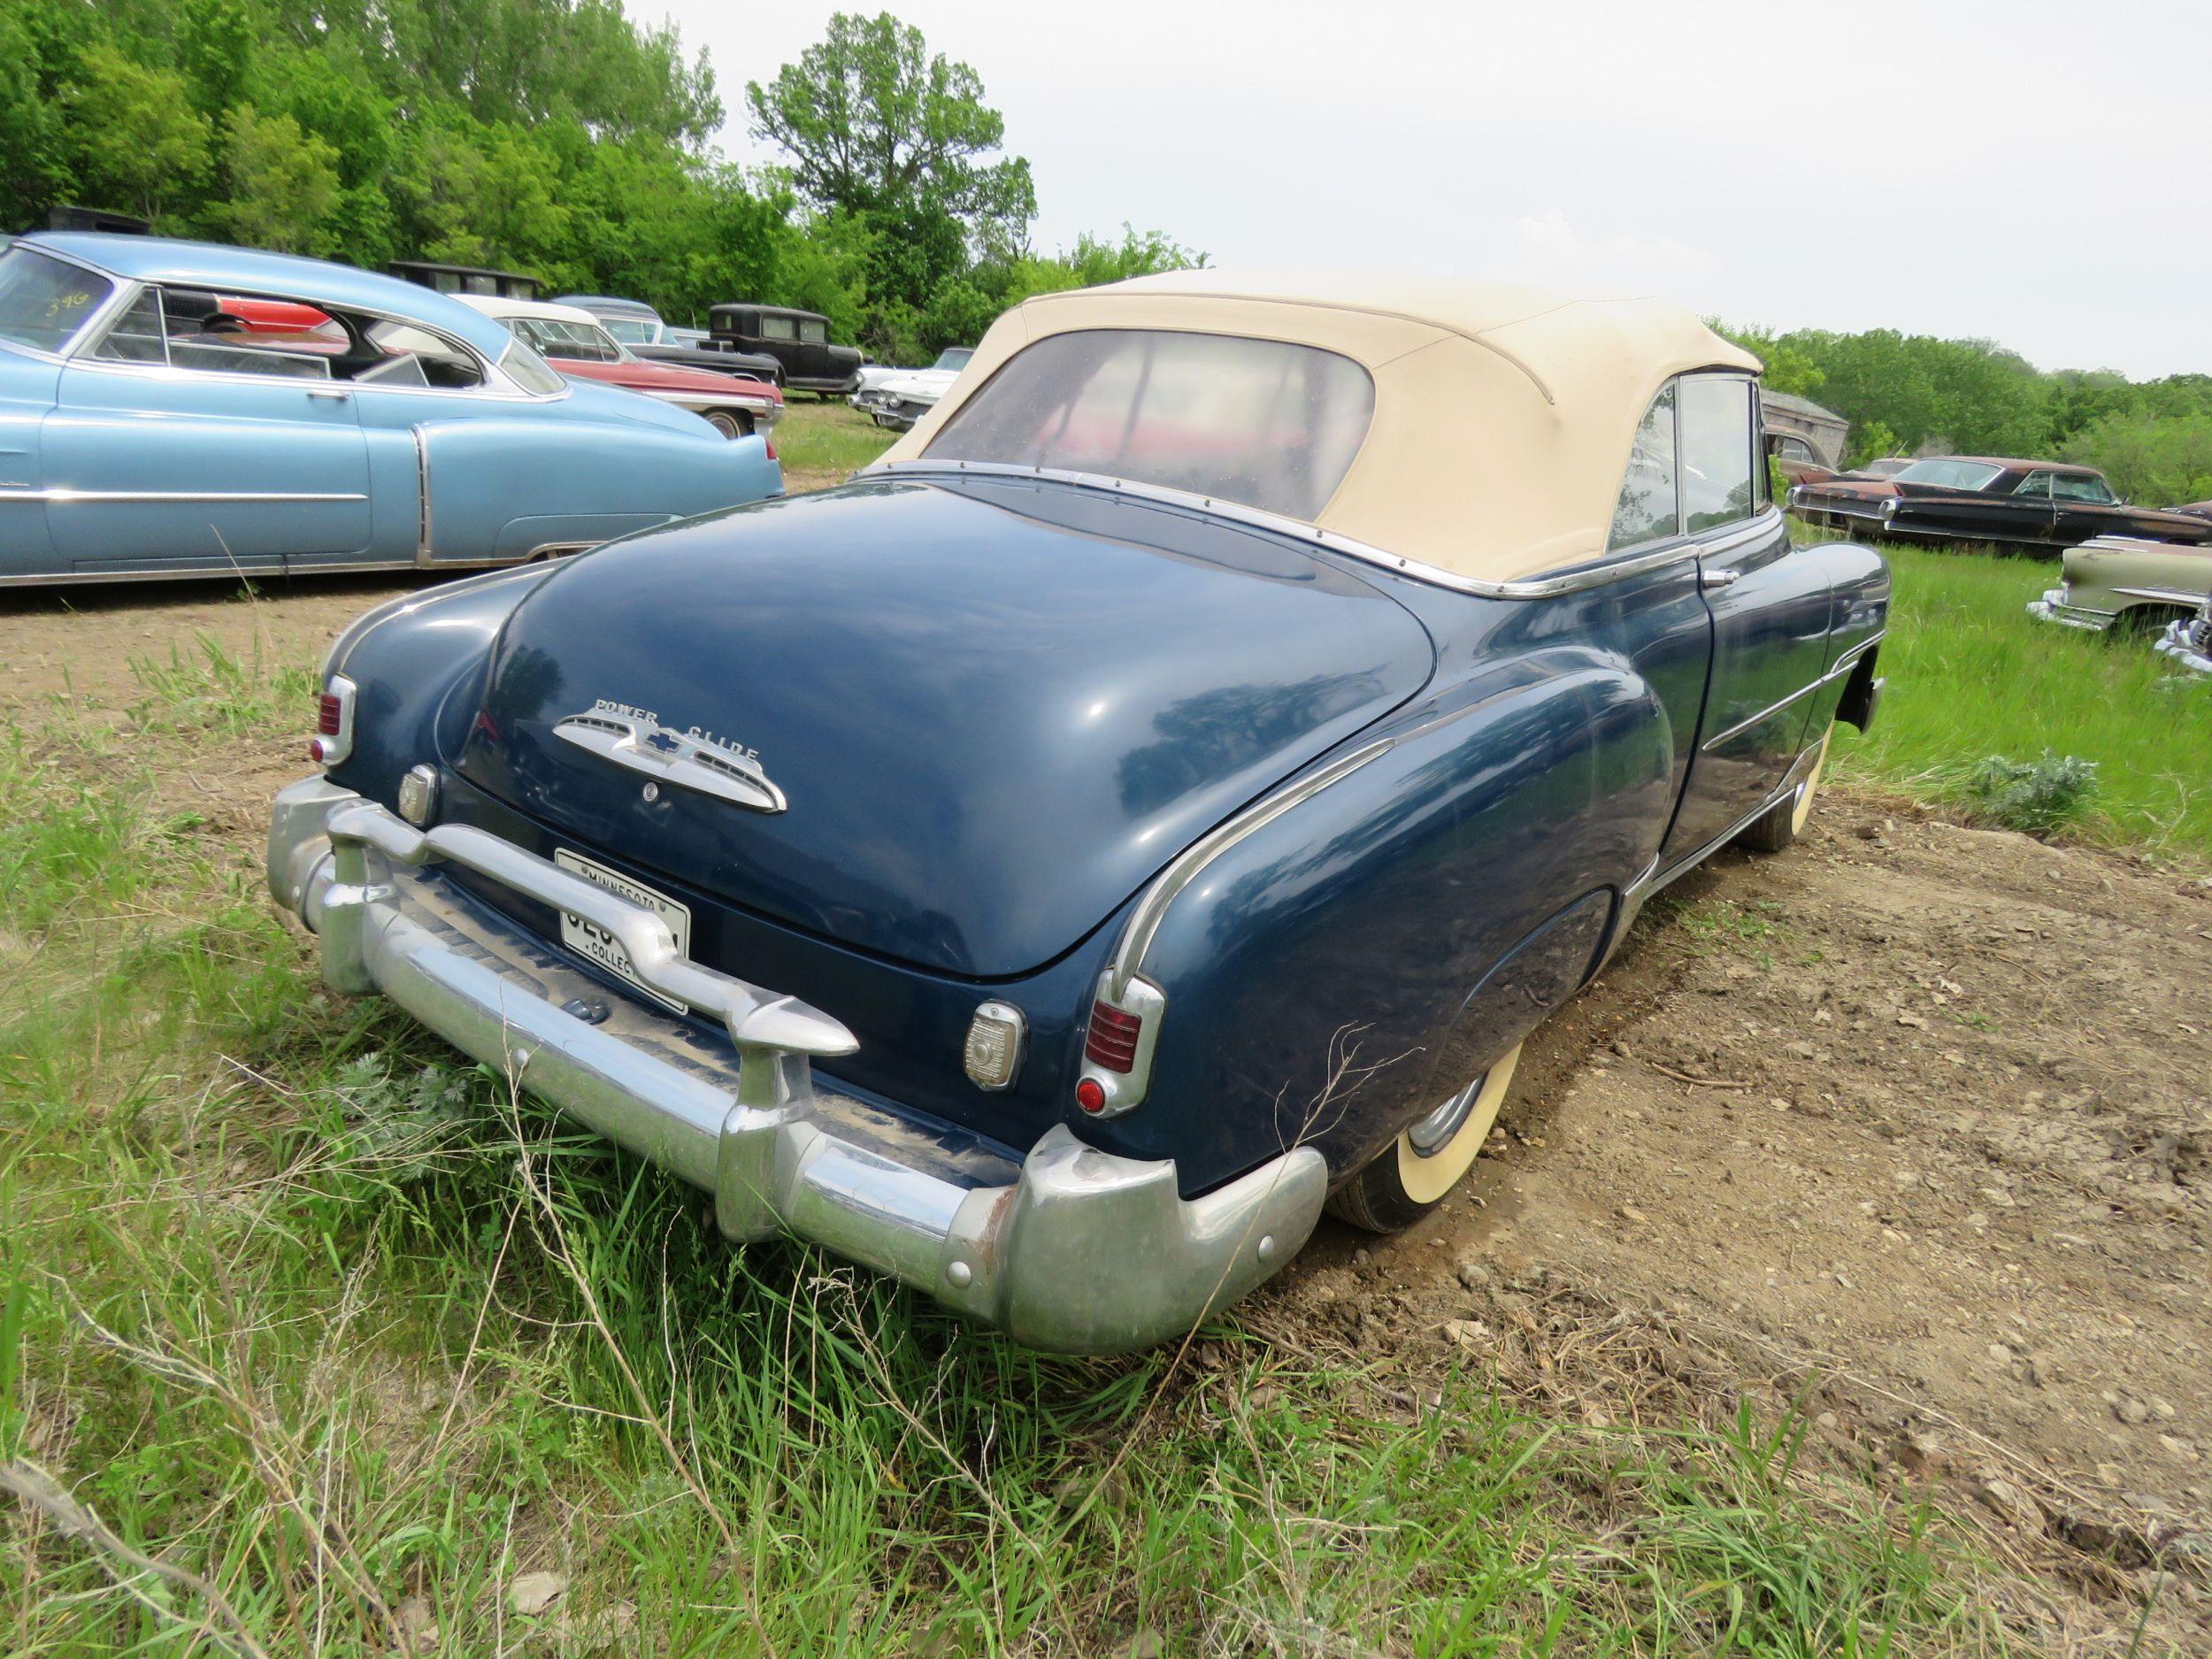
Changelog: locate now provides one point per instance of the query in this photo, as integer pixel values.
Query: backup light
(993, 1054)
(334, 722)
(418, 796)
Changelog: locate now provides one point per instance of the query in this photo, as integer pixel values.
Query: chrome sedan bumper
(2189, 642)
(2053, 608)
(1070, 1249)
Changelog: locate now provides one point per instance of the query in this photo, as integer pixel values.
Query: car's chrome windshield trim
(1144, 921)
(1596, 573)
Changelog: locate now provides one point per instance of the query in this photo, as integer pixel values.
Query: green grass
(1971, 675)
(333, 1336)
(822, 441)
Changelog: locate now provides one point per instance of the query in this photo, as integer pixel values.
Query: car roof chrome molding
(1596, 573)
(1144, 921)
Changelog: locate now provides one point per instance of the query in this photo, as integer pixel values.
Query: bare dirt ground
(1911, 1124)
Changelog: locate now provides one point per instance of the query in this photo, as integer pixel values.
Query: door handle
(1709, 580)
(329, 394)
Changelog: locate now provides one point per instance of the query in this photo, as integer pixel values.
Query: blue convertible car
(1151, 805)
(174, 409)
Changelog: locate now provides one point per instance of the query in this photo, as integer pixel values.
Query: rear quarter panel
(500, 488)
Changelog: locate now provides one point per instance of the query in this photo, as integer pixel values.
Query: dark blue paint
(923, 662)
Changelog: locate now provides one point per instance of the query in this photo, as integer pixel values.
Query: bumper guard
(1074, 1249)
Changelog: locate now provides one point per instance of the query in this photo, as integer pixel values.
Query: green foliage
(2038, 795)
(2159, 460)
(552, 136)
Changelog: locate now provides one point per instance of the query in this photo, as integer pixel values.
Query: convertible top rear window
(1260, 422)
(43, 302)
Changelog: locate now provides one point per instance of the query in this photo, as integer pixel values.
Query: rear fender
(1315, 971)
(408, 660)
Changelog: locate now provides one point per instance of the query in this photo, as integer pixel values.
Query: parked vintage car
(2039, 507)
(797, 340)
(1156, 799)
(2189, 640)
(640, 328)
(147, 428)
(2128, 584)
(573, 342)
(903, 397)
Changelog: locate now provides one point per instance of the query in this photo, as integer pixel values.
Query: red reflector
(1112, 1042)
(1090, 1096)
(327, 714)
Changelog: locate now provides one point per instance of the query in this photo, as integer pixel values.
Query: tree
(880, 128)
(282, 184)
(140, 143)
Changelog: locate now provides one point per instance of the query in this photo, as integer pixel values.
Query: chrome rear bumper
(1071, 1249)
(2182, 643)
(2053, 608)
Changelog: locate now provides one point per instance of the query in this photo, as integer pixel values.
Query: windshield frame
(96, 316)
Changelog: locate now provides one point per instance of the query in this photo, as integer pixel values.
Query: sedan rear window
(1948, 473)
(43, 302)
(1261, 422)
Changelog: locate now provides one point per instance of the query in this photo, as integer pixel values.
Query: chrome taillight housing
(334, 722)
(1124, 1030)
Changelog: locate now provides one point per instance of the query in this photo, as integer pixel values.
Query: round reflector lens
(1090, 1096)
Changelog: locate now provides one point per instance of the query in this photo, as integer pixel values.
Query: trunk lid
(993, 710)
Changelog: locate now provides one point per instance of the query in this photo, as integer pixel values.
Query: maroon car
(2039, 507)
(575, 342)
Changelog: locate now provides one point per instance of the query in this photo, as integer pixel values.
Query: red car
(573, 342)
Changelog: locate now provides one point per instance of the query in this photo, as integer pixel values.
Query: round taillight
(1090, 1095)
(317, 750)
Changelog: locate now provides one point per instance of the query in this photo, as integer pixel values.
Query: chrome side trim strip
(1144, 921)
(63, 497)
(188, 570)
(422, 495)
(2167, 595)
(1844, 665)
(1599, 574)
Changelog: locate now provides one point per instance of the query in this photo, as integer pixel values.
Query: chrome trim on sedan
(1144, 921)
(1015, 1244)
(1601, 573)
(673, 757)
(422, 495)
(63, 496)
(1843, 666)
(2053, 608)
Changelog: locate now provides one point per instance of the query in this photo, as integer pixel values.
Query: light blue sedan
(177, 409)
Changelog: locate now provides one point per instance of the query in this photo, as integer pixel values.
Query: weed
(2039, 796)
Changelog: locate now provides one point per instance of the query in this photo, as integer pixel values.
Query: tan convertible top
(1502, 415)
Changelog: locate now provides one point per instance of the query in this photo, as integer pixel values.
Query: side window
(138, 335)
(1717, 450)
(814, 334)
(1650, 506)
(2035, 484)
(2082, 487)
(778, 328)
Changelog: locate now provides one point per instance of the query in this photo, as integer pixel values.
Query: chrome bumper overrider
(1071, 1249)
(2190, 652)
(2053, 608)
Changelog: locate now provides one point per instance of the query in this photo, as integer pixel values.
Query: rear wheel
(1785, 820)
(730, 425)
(1410, 1176)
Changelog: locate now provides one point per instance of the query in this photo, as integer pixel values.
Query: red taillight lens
(772, 448)
(329, 714)
(1112, 1042)
(1090, 1095)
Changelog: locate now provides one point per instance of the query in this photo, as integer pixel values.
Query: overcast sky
(2033, 173)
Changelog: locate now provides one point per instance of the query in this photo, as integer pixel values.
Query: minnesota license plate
(595, 943)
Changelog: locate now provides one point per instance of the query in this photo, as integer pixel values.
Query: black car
(2041, 507)
(640, 328)
(797, 340)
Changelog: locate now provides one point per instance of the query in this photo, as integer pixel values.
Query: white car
(899, 398)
